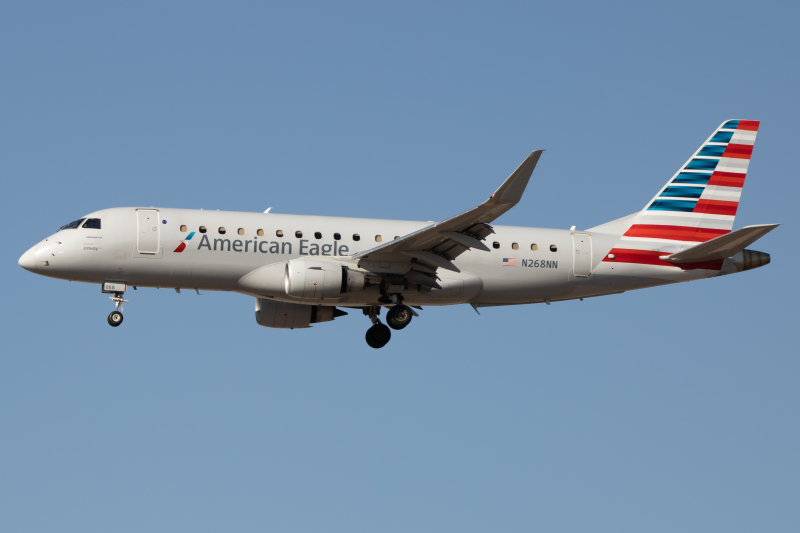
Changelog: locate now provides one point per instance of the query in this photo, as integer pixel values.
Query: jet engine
(314, 280)
(274, 314)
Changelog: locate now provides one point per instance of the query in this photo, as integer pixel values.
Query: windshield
(72, 225)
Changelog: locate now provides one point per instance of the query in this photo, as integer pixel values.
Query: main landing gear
(379, 334)
(115, 317)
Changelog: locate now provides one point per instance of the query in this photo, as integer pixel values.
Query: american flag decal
(509, 262)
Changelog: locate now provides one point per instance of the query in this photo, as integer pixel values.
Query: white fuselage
(211, 260)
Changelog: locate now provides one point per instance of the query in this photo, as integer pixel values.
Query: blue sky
(661, 410)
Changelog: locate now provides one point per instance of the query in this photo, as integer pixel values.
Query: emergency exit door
(581, 255)
(148, 231)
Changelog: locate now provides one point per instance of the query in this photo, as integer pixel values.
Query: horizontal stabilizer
(721, 247)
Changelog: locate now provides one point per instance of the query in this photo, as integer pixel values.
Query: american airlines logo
(265, 247)
(182, 246)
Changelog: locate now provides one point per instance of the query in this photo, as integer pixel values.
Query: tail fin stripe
(702, 164)
(694, 178)
(716, 207)
(711, 150)
(683, 191)
(750, 125)
(675, 233)
(732, 164)
(672, 205)
(722, 137)
(744, 137)
(727, 179)
(716, 192)
(742, 151)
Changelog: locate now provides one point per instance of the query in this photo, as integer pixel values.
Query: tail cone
(751, 259)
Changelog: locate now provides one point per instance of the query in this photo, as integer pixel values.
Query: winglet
(510, 192)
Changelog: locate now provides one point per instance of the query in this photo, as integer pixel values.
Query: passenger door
(581, 255)
(148, 231)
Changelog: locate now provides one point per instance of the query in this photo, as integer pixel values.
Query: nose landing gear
(115, 318)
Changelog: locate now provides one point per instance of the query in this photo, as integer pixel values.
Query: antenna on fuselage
(267, 211)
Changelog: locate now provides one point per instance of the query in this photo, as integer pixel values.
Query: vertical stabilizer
(699, 203)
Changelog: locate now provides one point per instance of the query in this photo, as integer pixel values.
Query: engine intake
(272, 314)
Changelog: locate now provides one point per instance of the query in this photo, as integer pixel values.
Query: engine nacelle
(314, 280)
(272, 314)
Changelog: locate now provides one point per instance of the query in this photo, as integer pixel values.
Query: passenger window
(279, 233)
(378, 238)
(202, 229)
(241, 231)
(553, 248)
(356, 237)
(184, 229)
(514, 246)
(337, 237)
(260, 233)
(534, 247)
(317, 235)
(92, 223)
(496, 245)
(222, 230)
(298, 234)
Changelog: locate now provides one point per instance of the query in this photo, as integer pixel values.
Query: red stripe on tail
(675, 233)
(739, 151)
(727, 179)
(751, 125)
(651, 257)
(716, 207)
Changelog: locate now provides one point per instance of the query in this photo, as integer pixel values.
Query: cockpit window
(72, 225)
(92, 223)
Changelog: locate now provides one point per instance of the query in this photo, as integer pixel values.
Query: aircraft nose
(28, 259)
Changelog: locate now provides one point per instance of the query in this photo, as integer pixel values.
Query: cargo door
(582, 255)
(148, 230)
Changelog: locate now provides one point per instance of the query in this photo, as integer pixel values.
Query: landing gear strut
(115, 318)
(378, 335)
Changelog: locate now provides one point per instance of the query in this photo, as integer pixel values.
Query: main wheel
(399, 317)
(115, 318)
(378, 336)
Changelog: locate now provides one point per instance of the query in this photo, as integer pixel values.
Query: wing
(438, 244)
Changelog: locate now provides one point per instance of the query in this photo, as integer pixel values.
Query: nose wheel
(115, 318)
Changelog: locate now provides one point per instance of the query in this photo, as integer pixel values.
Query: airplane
(304, 270)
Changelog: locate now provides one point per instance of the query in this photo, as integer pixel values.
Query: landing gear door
(148, 231)
(581, 255)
